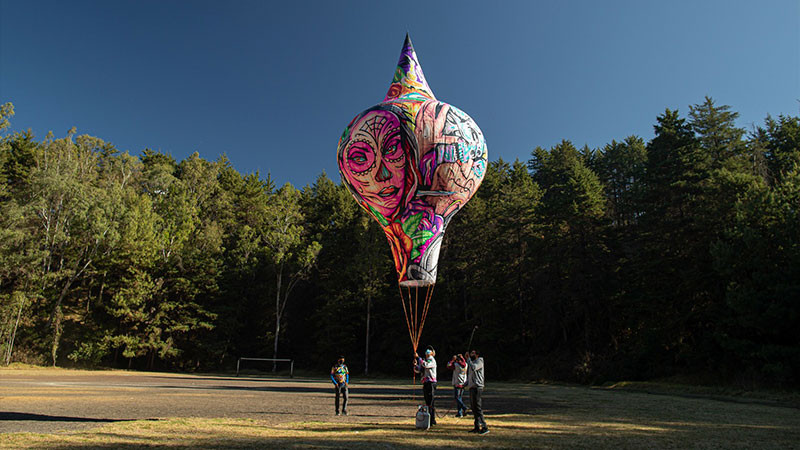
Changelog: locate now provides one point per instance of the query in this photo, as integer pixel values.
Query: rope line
(415, 322)
(428, 296)
(415, 314)
(405, 314)
(416, 317)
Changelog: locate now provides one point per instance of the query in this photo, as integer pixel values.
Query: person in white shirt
(427, 367)
(459, 367)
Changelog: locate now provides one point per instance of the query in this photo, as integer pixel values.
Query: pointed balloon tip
(408, 46)
(408, 77)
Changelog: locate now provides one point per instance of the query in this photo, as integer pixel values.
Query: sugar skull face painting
(374, 159)
(412, 162)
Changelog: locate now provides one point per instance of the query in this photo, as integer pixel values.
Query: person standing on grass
(427, 367)
(341, 378)
(475, 382)
(459, 367)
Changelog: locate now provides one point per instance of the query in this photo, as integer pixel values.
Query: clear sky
(273, 84)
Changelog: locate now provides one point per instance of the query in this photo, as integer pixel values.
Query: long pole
(469, 346)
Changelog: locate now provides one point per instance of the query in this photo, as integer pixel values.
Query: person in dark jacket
(341, 378)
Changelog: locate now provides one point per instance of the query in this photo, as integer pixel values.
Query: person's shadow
(47, 418)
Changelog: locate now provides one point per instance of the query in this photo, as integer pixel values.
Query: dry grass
(508, 431)
(721, 392)
(540, 416)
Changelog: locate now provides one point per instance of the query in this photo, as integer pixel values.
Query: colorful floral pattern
(412, 162)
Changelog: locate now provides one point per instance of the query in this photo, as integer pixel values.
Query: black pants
(429, 390)
(477, 411)
(341, 389)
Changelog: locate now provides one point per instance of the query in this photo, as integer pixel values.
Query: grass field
(519, 416)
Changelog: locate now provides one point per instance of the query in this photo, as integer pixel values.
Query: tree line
(673, 257)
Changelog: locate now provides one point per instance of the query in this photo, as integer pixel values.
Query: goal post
(290, 361)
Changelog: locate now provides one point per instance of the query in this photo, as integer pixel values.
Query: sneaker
(484, 431)
(474, 430)
(344, 413)
(337, 413)
(459, 415)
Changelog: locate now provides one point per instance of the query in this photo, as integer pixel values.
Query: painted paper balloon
(412, 162)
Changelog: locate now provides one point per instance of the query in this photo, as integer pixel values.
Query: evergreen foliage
(637, 260)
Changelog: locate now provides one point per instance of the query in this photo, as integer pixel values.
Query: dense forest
(673, 257)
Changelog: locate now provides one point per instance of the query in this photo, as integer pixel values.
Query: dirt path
(45, 401)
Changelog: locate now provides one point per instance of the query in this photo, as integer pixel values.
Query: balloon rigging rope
(414, 321)
(425, 309)
(416, 317)
(405, 314)
(410, 306)
(410, 327)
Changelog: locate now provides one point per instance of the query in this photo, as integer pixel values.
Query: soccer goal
(283, 360)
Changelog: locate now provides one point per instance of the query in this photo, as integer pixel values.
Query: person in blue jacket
(341, 378)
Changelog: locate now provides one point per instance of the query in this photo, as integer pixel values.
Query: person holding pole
(475, 383)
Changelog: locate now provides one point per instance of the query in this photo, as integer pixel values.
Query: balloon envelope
(412, 162)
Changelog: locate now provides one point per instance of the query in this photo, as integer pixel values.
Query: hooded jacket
(475, 373)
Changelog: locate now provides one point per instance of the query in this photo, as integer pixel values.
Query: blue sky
(273, 84)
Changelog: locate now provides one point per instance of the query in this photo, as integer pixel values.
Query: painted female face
(374, 161)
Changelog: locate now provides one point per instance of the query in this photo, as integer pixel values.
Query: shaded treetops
(640, 259)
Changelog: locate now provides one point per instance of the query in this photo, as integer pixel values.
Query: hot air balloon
(412, 162)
